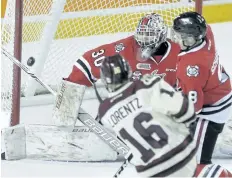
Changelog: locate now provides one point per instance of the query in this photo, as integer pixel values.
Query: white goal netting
(56, 32)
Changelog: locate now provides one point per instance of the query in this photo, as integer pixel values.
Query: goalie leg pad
(14, 142)
(67, 103)
(51, 143)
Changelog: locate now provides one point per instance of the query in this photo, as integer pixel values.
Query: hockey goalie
(158, 58)
(151, 54)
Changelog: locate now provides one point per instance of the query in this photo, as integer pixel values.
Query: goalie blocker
(67, 103)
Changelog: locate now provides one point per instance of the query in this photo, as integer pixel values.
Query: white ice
(34, 168)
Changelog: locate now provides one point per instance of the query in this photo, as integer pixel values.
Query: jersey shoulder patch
(192, 70)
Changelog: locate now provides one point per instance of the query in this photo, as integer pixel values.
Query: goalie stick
(92, 124)
(25, 69)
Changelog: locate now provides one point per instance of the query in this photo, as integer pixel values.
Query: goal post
(10, 105)
(51, 34)
(199, 6)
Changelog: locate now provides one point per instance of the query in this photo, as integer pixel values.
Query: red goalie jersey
(86, 69)
(200, 74)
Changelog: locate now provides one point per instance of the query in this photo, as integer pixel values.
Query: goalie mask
(189, 30)
(151, 32)
(115, 72)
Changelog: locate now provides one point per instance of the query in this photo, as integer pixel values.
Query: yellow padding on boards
(84, 5)
(218, 13)
(97, 25)
(102, 25)
(94, 25)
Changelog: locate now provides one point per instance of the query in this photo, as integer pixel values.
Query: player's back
(159, 145)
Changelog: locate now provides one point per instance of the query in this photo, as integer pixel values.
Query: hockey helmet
(151, 32)
(188, 28)
(115, 72)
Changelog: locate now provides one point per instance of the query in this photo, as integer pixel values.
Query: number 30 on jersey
(98, 57)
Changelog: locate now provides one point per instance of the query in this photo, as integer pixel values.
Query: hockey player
(148, 51)
(151, 118)
(203, 78)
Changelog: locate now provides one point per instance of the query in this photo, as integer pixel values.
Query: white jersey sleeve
(164, 99)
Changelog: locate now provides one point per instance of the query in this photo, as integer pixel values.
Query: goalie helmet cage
(50, 34)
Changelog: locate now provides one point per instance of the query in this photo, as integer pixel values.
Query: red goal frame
(15, 114)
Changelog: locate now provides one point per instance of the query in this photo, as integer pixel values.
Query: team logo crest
(119, 47)
(143, 66)
(136, 75)
(192, 71)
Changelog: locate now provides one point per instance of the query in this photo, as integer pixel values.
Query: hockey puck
(3, 156)
(31, 61)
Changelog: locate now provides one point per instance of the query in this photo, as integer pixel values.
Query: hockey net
(56, 32)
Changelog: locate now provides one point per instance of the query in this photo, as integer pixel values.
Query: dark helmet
(115, 72)
(190, 23)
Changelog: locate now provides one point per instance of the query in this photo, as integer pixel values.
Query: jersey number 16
(146, 134)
